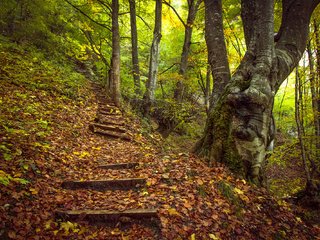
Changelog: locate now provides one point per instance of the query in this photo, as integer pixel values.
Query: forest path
(116, 177)
(128, 187)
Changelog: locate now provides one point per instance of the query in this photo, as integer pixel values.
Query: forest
(159, 119)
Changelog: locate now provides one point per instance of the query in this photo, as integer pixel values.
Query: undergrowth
(34, 90)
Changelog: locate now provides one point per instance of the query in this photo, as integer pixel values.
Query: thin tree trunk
(315, 97)
(193, 6)
(317, 70)
(154, 59)
(115, 87)
(299, 122)
(134, 43)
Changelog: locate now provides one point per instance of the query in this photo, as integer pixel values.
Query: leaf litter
(194, 201)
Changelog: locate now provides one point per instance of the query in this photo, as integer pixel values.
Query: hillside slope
(45, 112)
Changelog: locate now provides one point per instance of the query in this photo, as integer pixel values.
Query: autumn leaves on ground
(45, 113)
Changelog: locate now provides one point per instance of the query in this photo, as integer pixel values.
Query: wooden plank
(119, 165)
(107, 215)
(112, 134)
(109, 121)
(108, 184)
(108, 108)
(116, 113)
(106, 103)
(108, 127)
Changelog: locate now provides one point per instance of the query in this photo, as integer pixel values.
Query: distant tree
(115, 62)
(193, 7)
(154, 58)
(134, 43)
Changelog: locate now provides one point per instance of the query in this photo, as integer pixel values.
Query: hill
(46, 108)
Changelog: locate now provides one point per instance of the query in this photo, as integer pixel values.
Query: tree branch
(87, 16)
(175, 11)
(293, 35)
(169, 68)
(144, 22)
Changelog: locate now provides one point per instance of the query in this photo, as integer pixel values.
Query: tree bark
(193, 6)
(134, 43)
(217, 51)
(237, 126)
(207, 89)
(115, 63)
(154, 59)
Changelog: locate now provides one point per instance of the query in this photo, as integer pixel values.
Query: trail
(103, 177)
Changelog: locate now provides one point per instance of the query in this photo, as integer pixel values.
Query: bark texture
(134, 43)
(154, 58)
(115, 63)
(217, 51)
(238, 124)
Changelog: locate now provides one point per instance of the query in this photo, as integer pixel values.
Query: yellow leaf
(214, 237)
(67, 226)
(124, 237)
(116, 232)
(33, 191)
(237, 190)
(193, 236)
(173, 212)
(38, 230)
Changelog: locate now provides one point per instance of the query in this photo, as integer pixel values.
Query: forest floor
(45, 140)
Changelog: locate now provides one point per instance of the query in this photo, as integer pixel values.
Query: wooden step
(117, 113)
(108, 184)
(112, 134)
(109, 121)
(106, 216)
(119, 165)
(106, 103)
(107, 127)
(108, 108)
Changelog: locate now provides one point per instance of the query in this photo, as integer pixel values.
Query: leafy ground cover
(45, 111)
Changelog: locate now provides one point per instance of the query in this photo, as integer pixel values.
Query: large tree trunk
(237, 127)
(115, 84)
(217, 51)
(193, 6)
(134, 43)
(154, 59)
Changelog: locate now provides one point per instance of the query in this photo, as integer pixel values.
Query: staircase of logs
(109, 122)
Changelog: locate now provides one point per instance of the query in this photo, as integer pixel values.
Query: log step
(111, 134)
(109, 121)
(104, 103)
(107, 127)
(106, 215)
(119, 165)
(116, 113)
(108, 184)
(108, 108)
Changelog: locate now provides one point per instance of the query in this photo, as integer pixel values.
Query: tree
(154, 58)
(238, 124)
(218, 60)
(115, 62)
(193, 6)
(134, 43)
